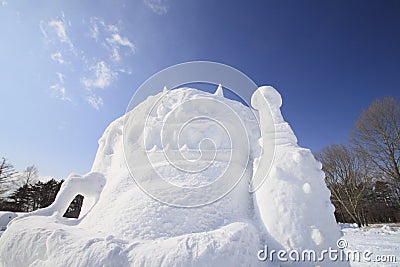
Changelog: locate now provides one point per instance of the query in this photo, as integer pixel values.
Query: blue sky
(69, 68)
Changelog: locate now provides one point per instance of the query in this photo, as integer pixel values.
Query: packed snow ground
(121, 225)
(381, 240)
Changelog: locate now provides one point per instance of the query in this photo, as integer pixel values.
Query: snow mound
(389, 229)
(121, 225)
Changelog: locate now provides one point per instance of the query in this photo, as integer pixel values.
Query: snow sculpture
(5, 218)
(89, 186)
(124, 226)
(295, 192)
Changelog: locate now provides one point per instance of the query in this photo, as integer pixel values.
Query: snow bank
(124, 226)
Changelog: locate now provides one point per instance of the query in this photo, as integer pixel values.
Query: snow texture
(381, 241)
(5, 218)
(120, 225)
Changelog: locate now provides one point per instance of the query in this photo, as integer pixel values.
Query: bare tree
(346, 175)
(29, 175)
(6, 173)
(376, 134)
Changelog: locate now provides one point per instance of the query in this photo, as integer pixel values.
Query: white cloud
(159, 7)
(61, 77)
(112, 28)
(4, 2)
(58, 90)
(59, 27)
(101, 78)
(94, 27)
(117, 39)
(56, 29)
(115, 56)
(95, 101)
(57, 57)
(116, 42)
(126, 71)
(109, 43)
(113, 39)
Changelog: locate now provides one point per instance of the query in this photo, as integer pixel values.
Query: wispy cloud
(101, 78)
(4, 2)
(59, 27)
(113, 40)
(115, 43)
(126, 71)
(97, 68)
(58, 90)
(61, 77)
(95, 101)
(56, 29)
(57, 57)
(159, 7)
(95, 24)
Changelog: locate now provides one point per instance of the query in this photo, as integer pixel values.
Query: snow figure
(179, 181)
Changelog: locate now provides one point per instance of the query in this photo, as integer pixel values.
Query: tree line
(363, 175)
(30, 194)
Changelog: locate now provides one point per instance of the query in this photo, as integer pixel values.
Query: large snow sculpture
(125, 226)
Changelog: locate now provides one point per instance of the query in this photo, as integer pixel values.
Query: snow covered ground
(382, 240)
(379, 242)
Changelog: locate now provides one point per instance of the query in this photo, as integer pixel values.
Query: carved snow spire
(219, 92)
(165, 89)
